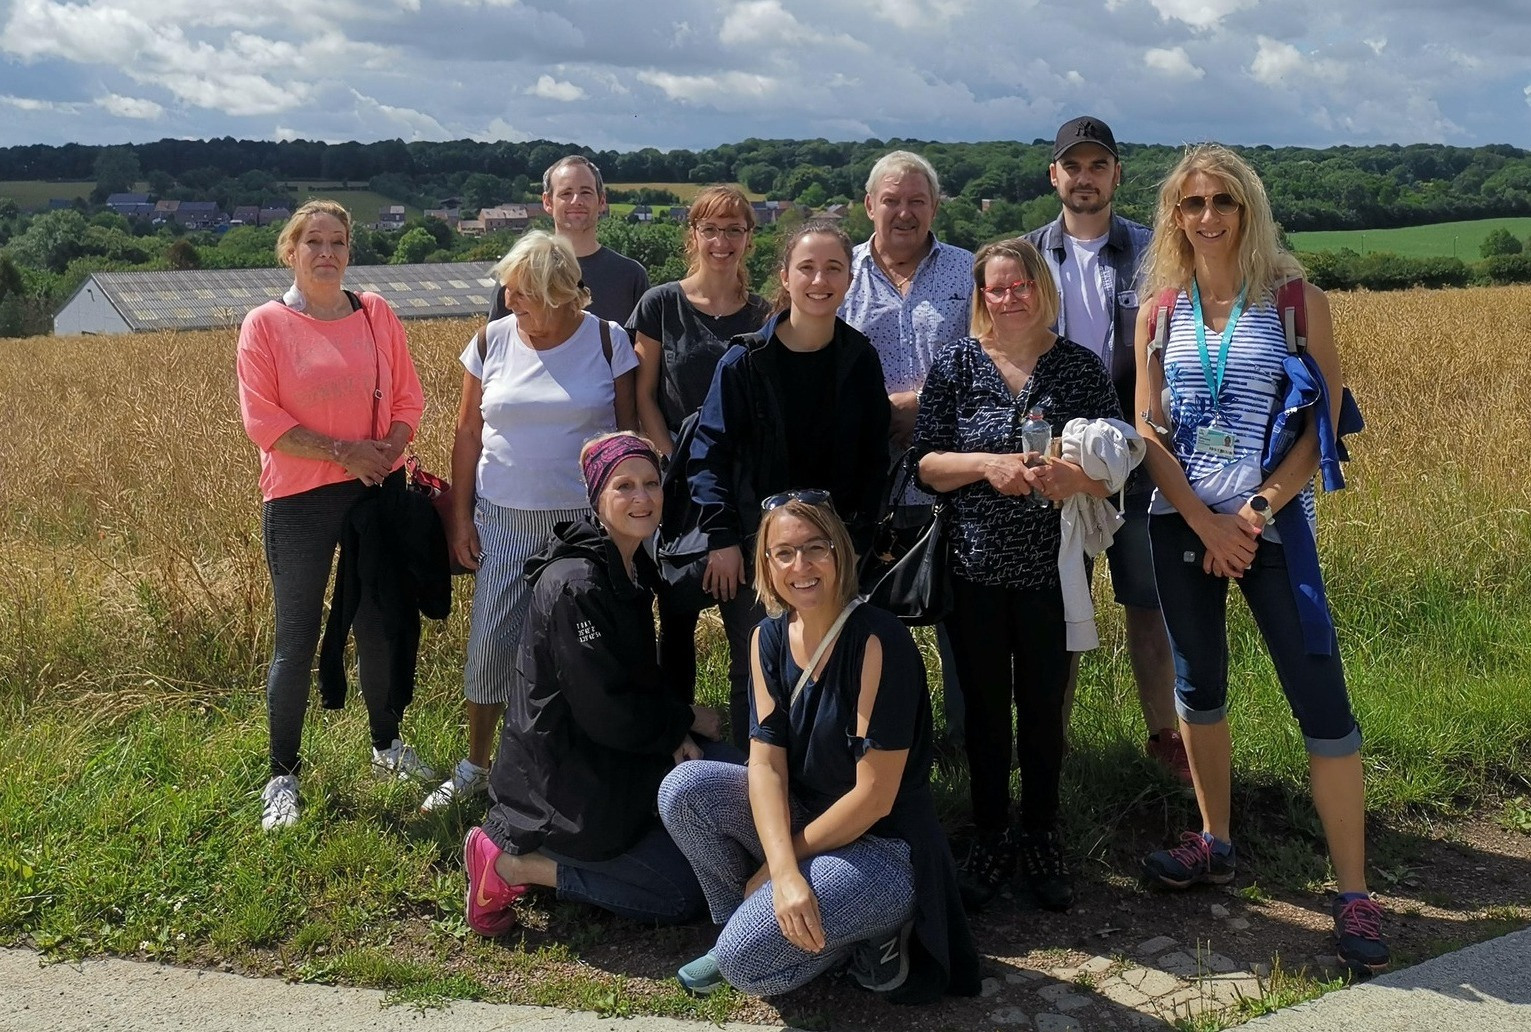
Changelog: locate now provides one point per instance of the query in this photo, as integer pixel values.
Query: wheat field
(130, 513)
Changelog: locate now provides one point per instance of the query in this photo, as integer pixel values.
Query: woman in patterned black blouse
(1007, 628)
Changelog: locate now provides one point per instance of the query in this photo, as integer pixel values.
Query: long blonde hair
(1263, 262)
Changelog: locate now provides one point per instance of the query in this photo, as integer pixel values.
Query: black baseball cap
(1084, 129)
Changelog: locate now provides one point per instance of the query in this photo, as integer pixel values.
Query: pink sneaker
(489, 899)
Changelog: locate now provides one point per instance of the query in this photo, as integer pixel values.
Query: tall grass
(135, 628)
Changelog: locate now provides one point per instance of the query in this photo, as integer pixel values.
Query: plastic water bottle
(1037, 437)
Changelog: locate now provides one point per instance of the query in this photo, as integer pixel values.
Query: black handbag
(914, 582)
(679, 547)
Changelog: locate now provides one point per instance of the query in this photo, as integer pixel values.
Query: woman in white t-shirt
(543, 381)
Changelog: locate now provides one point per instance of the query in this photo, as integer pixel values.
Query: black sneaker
(1358, 935)
(1193, 862)
(989, 864)
(881, 965)
(1041, 861)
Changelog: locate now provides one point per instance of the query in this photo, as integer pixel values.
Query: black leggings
(301, 533)
(1010, 643)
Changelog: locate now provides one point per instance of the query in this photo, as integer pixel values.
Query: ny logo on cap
(1087, 129)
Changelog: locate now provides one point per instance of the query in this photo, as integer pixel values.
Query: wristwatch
(1261, 507)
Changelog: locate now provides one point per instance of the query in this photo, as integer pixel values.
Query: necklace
(899, 281)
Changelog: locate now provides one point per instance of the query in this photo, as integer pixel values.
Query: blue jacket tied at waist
(1307, 394)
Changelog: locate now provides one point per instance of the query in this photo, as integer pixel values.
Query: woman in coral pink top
(329, 395)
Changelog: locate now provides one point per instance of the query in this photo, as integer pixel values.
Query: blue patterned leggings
(865, 890)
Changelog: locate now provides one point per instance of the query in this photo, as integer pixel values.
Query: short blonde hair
(1022, 251)
(1263, 263)
(828, 523)
(287, 239)
(543, 268)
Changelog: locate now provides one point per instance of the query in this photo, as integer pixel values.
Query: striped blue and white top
(1252, 388)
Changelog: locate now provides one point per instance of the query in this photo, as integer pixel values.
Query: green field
(685, 191)
(362, 204)
(33, 194)
(1442, 240)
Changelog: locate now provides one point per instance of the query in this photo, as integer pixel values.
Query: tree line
(1374, 187)
(991, 190)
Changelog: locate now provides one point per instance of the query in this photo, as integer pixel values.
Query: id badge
(1214, 440)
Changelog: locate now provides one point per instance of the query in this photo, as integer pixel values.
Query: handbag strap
(818, 653)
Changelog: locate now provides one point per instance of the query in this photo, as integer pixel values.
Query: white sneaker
(399, 761)
(468, 779)
(279, 802)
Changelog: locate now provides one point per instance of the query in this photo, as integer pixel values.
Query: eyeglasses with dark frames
(731, 233)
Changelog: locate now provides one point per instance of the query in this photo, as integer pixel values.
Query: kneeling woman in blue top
(826, 848)
(590, 729)
(1216, 251)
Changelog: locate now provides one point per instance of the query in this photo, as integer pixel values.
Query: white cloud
(694, 89)
(1200, 14)
(759, 21)
(1173, 62)
(1377, 45)
(130, 107)
(1275, 62)
(549, 88)
(33, 104)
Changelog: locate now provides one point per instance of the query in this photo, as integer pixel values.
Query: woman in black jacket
(590, 729)
(799, 403)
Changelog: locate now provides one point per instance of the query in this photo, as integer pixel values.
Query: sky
(611, 74)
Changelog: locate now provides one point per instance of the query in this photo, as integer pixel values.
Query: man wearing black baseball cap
(1094, 255)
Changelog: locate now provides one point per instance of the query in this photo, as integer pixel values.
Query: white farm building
(130, 302)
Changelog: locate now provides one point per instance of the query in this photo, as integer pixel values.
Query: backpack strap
(1291, 303)
(1163, 308)
(606, 341)
(1159, 318)
(482, 340)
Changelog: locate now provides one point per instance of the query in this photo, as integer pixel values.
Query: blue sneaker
(1193, 862)
(701, 977)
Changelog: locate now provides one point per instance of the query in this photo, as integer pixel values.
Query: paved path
(1484, 988)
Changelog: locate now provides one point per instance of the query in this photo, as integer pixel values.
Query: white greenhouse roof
(220, 297)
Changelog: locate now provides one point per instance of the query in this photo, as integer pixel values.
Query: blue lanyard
(1215, 382)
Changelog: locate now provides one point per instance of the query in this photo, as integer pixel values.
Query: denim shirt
(1119, 273)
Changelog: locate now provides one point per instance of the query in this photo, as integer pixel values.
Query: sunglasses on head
(807, 495)
(1193, 205)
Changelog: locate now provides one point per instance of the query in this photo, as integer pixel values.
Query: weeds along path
(135, 629)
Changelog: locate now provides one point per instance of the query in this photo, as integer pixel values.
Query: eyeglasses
(815, 551)
(1193, 205)
(1021, 289)
(730, 233)
(807, 495)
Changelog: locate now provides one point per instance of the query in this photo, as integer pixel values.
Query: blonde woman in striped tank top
(1203, 407)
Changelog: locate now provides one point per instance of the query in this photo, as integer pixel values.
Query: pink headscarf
(604, 457)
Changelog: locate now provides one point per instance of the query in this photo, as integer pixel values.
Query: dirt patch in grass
(1456, 884)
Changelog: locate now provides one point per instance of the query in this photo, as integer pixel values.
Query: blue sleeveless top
(1252, 390)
